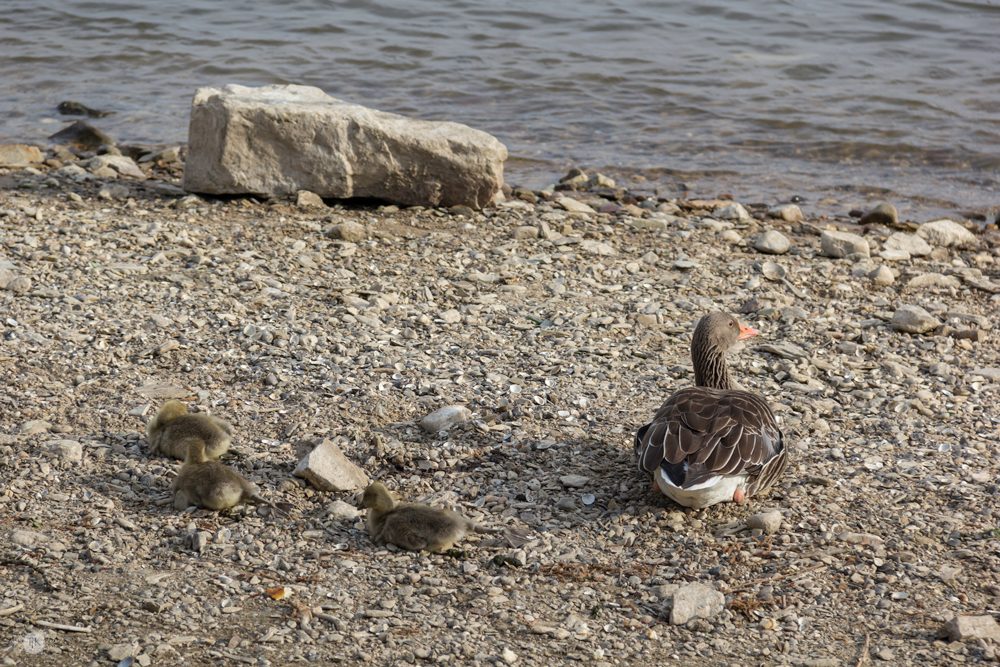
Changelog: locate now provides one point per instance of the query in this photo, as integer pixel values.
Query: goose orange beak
(747, 332)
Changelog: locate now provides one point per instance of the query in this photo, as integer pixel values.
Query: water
(852, 101)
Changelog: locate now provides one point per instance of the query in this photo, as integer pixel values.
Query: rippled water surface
(760, 99)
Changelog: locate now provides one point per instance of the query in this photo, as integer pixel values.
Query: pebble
(772, 242)
(773, 271)
(574, 481)
(787, 212)
(933, 280)
(882, 275)
(966, 628)
(19, 285)
(910, 244)
(894, 255)
(342, 511)
(444, 418)
(525, 232)
(696, 601)
(574, 206)
(732, 211)
(842, 244)
(348, 231)
(913, 319)
(769, 522)
(70, 450)
(307, 199)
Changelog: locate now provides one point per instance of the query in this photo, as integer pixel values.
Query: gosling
(212, 485)
(413, 526)
(173, 429)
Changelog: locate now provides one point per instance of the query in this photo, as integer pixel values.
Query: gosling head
(377, 497)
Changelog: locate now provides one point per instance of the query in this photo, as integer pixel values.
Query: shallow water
(854, 101)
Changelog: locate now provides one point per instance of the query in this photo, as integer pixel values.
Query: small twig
(864, 651)
(13, 610)
(60, 626)
(775, 577)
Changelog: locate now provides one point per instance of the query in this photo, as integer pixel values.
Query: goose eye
(730, 323)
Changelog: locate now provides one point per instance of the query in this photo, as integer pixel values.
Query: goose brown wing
(715, 431)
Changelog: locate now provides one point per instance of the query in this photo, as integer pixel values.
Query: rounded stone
(349, 231)
(772, 242)
(914, 320)
(882, 275)
(843, 244)
(883, 214)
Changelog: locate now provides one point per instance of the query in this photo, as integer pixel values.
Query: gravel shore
(561, 328)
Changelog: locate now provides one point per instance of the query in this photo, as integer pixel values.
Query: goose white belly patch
(718, 489)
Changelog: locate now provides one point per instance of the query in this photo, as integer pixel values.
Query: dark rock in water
(574, 173)
(883, 214)
(77, 109)
(82, 134)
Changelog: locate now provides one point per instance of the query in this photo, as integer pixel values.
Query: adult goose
(713, 442)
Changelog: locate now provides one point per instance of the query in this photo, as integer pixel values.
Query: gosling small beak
(747, 332)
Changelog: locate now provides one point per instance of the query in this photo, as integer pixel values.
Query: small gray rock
(450, 316)
(769, 522)
(574, 206)
(788, 213)
(885, 654)
(733, 211)
(113, 191)
(348, 231)
(446, 417)
(773, 271)
(914, 320)
(326, 468)
(525, 232)
(841, 244)
(307, 199)
(19, 285)
(341, 511)
(934, 280)
(696, 601)
(966, 628)
(574, 481)
(566, 504)
(991, 374)
(70, 450)
(772, 242)
(119, 652)
(882, 275)
(911, 243)
(894, 255)
(33, 426)
(26, 538)
(200, 540)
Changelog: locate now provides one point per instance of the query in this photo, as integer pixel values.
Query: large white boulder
(277, 140)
